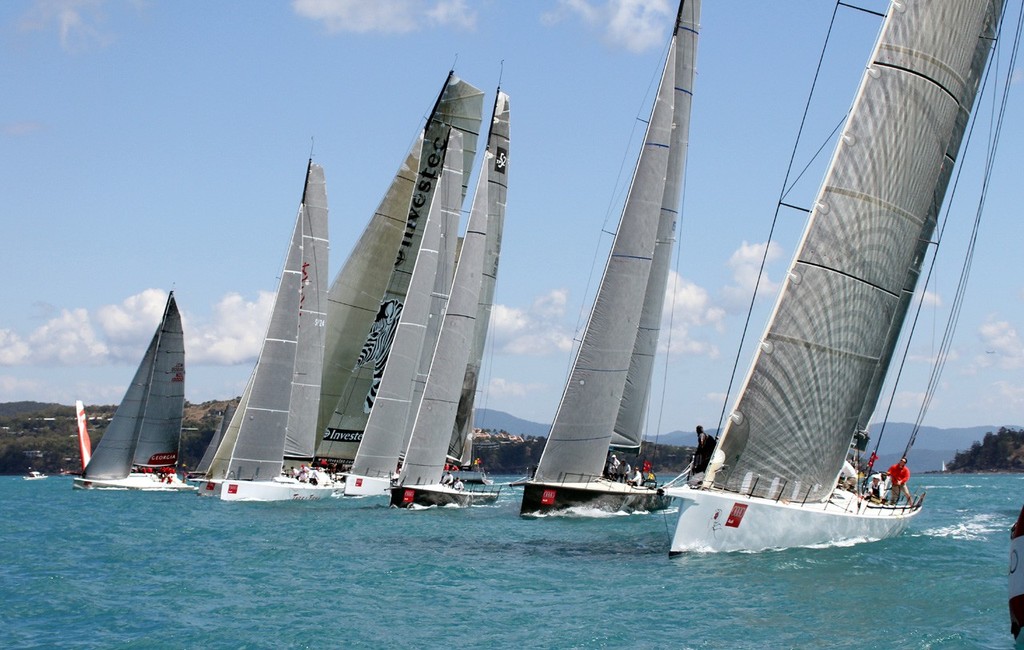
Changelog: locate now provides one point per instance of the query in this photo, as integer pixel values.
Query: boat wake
(973, 528)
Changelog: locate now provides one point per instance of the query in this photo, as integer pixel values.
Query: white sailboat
(139, 450)
(460, 450)
(816, 375)
(368, 295)
(606, 395)
(274, 426)
(460, 340)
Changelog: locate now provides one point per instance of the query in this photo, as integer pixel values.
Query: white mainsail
(815, 377)
(390, 420)
(493, 200)
(357, 365)
(582, 430)
(146, 427)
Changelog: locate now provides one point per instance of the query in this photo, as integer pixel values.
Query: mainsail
(146, 427)
(816, 376)
(492, 199)
(357, 365)
(583, 426)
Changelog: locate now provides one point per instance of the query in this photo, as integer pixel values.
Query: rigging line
(775, 218)
(996, 127)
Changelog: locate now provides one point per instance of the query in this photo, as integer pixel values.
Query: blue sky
(147, 145)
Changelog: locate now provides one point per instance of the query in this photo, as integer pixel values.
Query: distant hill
(932, 447)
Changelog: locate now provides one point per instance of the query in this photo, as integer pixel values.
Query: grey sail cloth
(816, 376)
(146, 427)
(389, 422)
(435, 417)
(356, 366)
(207, 460)
(629, 426)
(580, 435)
(254, 443)
(495, 165)
(303, 406)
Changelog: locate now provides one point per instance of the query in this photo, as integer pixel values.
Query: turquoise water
(95, 569)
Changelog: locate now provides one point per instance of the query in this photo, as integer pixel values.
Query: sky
(151, 145)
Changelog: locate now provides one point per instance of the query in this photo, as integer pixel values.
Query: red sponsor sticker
(408, 496)
(736, 516)
(359, 482)
(232, 488)
(209, 486)
(547, 497)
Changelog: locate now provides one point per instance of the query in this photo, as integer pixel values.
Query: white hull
(712, 520)
(34, 476)
(136, 481)
(279, 489)
(366, 486)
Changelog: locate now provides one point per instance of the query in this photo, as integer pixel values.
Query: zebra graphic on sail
(378, 345)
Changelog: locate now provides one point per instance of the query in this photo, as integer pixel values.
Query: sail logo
(343, 435)
(501, 160)
(736, 516)
(424, 192)
(378, 345)
(179, 372)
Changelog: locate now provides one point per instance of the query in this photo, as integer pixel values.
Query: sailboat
(367, 297)
(460, 450)
(203, 468)
(606, 395)
(816, 376)
(273, 429)
(139, 450)
(1016, 580)
(460, 340)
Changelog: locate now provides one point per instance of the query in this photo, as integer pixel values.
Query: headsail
(490, 197)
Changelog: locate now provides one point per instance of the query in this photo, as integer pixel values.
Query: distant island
(43, 436)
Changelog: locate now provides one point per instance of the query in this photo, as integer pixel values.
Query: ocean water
(101, 569)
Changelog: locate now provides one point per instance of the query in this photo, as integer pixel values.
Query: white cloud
(498, 388)
(636, 25)
(385, 16)
(78, 22)
(1003, 346)
(537, 331)
(119, 334)
(745, 263)
(236, 333)
(688, 308)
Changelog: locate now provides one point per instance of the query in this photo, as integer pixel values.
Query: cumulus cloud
(119, 333)
(635, 25)
(79, 23)
(1003, 346)
(499, 388)
(745, 263)
(536, 331)
(386, 16)
(688, 309)
(235, 334)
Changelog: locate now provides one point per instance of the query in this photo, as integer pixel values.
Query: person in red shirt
(899, 474)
